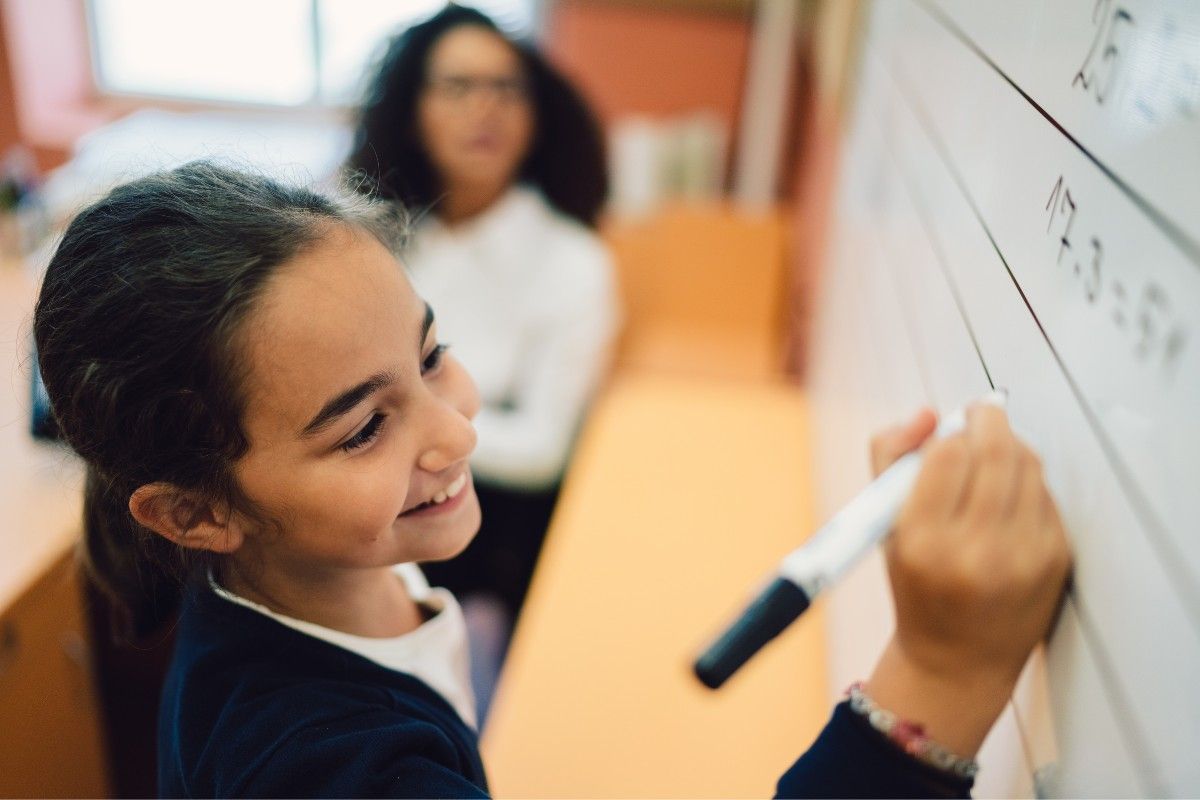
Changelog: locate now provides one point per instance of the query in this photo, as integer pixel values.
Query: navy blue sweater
(252, 707)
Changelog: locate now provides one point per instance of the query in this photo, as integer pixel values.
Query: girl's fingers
(996, 455)
(942, 482)
(1027, 522)
(1031, 503)
(894, 442)
(1052, 530)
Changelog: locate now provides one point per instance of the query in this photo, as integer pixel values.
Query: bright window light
(353, 36)
(248, 51)
(260, 51)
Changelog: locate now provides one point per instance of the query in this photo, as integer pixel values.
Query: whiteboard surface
(1019, 207)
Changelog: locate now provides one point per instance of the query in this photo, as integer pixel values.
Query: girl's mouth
(445, 501)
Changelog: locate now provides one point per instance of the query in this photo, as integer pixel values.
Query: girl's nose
(454, 443)
(451, 436)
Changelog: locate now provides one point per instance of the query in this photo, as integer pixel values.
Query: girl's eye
(434, 359)
(365, 436)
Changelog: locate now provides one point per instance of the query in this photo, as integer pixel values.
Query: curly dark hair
(566, 159)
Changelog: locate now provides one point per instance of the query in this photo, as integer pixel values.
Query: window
(264, 52)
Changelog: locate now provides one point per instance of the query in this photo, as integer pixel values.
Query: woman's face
(356, 419)
(474, 114)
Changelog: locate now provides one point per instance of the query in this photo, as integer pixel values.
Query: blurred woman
(503, 164)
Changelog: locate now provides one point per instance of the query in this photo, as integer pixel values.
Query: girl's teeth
(450, 491)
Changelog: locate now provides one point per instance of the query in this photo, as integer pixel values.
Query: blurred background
(700, 100)
(719, 119)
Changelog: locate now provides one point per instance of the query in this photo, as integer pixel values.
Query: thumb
(892, 443)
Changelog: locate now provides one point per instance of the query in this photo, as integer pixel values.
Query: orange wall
(655, 62)
(47, 52)
(9, 132)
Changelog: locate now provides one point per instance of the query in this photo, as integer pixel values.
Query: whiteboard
(1018, 206)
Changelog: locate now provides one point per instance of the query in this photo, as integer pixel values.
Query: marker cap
(770, 613)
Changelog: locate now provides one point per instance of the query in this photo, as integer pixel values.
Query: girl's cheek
(393, 474)
(464, 395)
(367, 484)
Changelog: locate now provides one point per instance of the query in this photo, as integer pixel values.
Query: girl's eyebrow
(347, 400)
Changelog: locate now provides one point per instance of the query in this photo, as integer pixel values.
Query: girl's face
(474, 113)
(356, 417)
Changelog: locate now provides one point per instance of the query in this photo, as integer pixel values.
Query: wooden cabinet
(50, 740)
(50, 743)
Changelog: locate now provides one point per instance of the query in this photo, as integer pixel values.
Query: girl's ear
(185, 518)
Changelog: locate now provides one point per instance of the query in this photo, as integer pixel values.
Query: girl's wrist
(909, 736)
(955, 708)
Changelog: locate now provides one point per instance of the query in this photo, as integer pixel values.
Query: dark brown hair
(135, 328)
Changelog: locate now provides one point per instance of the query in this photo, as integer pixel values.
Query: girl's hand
(887, 446)
(978, 561)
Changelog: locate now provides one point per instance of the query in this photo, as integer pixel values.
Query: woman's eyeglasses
(460, 88)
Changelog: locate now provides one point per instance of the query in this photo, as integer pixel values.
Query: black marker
(820, 561)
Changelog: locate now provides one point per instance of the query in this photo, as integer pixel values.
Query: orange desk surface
(682, 496)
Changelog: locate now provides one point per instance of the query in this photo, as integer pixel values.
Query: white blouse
(526, 298)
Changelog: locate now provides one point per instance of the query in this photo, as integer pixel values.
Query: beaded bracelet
(909, 736)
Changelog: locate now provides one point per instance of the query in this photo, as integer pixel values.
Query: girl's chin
(469, 527)
(442, 541)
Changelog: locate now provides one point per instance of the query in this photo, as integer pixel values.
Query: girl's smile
(450, 499)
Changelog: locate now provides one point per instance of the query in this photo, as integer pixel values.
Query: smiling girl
(267, 416)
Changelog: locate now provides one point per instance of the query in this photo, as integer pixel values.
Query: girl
(266, 412)
(508, 160)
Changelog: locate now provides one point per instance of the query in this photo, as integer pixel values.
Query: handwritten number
(1092, 289)
(1066, 237)
(1118, 311)
(1154, 305)
(1174, 347)
(1109, 27)
(1111, 53)
(1060, 200)
(1050, 203)
(1150, 321)
(1081, 79)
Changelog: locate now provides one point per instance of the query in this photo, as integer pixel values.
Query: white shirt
(436, 652)
(526, 297)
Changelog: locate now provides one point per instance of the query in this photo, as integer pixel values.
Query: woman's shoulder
(567, 229)
(568, 250)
